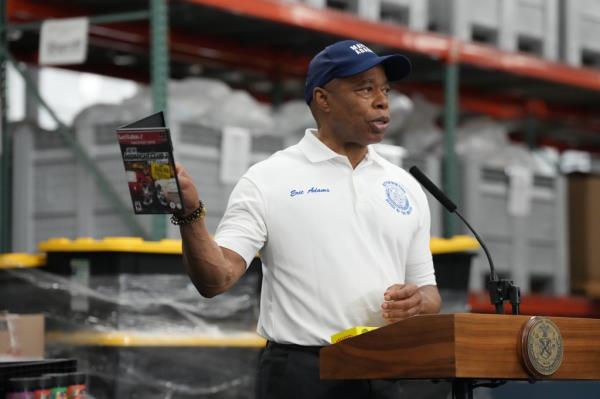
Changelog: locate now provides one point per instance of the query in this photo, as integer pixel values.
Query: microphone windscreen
(432, 188)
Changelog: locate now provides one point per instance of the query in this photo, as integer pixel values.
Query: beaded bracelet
(196, 215)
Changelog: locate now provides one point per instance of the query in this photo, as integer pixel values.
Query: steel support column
(159, 26)
(6, 151)
(450, 166)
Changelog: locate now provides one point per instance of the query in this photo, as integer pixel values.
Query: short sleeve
(419, 265)
(243, 228)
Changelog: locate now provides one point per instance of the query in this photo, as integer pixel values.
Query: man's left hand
(401, 302)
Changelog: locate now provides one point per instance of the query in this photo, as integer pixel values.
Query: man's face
(359, 111)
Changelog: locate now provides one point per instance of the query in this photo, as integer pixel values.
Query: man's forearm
(208, 268)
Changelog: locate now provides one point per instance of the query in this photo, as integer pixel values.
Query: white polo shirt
(332, 238)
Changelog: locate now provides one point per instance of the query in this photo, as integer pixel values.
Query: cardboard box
(21, 337)
(584, 233)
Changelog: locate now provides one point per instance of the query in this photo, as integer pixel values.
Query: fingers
(400, 291)
(400, 310)
(401, 301)
(188, 189)
(180, 170)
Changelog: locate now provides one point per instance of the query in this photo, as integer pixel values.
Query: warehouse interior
(500, 111)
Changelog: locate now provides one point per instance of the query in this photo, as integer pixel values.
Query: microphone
(499, 289)
(433, 189)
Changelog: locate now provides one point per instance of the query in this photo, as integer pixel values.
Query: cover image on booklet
(150, 167)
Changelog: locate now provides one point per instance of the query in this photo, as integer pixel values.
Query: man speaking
(343, 234)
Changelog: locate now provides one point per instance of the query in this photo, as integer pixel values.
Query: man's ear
(320, 99)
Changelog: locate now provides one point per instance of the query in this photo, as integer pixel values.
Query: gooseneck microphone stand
(500, 290)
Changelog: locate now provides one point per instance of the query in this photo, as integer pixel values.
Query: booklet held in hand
(150, 167)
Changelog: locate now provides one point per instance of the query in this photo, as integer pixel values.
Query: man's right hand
(188, 190)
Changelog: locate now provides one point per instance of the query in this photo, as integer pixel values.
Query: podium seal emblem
(541, 347)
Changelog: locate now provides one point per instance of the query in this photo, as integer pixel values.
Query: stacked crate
(529, 26)
(410, 13)
(530, 249)
(581, 24)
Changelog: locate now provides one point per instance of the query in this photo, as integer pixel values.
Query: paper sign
(235, 153)
(63, 41)
(519, 190)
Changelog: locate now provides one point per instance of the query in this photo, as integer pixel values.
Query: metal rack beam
(397, 37)
(141, 15)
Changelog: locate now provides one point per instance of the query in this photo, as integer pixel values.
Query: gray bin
(56, 196)
(580, 21)
(532, 250)
(527, 26)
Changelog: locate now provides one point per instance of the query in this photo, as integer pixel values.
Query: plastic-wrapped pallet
(239, 109)
(420, 133)
(581, 20)
(292, 119)
(529, 26)
(126, 310)
(163, 366)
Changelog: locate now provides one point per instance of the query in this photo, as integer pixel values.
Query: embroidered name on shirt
(312, 190)
(396, 197)
(318, 190)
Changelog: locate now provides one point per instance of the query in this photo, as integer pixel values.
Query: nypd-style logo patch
(396, 197)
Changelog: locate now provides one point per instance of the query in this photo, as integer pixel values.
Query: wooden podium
(460, 347)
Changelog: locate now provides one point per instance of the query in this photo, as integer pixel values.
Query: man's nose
(381, 100)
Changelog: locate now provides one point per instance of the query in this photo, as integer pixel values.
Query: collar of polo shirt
(316, 151)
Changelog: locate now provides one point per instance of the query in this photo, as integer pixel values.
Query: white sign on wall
(520, 188)
(236, 148)
(63, 41)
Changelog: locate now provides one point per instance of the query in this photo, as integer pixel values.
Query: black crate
(10, 370)
(17, 293)
(452, 270)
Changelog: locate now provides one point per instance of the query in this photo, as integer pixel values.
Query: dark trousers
(292, 372)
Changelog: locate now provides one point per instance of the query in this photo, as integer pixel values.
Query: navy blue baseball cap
(347, 58)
